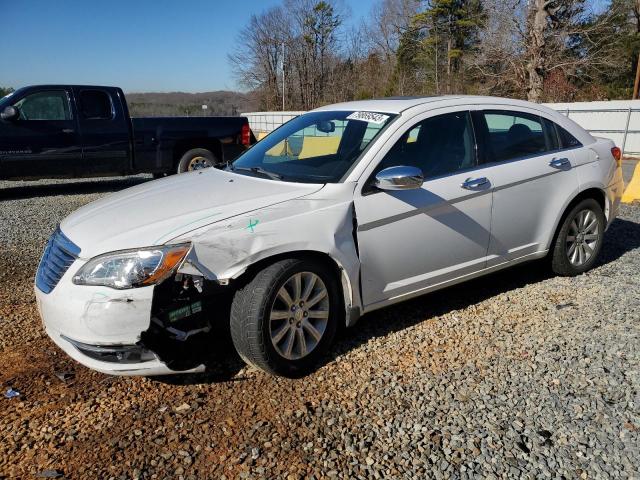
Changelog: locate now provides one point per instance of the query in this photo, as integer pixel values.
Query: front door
(412, 240)
(43, 141)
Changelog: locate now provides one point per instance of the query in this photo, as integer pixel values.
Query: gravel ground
(519, 374)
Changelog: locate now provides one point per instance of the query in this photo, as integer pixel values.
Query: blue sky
(139, 45)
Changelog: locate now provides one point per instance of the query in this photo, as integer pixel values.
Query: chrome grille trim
(59, 254)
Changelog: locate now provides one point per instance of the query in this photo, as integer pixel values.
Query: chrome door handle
(560, 163)
(472, 183)
(68, 130)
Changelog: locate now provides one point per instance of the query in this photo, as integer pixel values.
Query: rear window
(566, 139)
(95, 105)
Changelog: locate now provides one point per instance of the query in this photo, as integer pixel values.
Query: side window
(95, 105)
(514, 135)
(566, 139)
(438, 146)
(50, 105)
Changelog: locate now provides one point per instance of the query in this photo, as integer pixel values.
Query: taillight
(245, 136)
(617, 154)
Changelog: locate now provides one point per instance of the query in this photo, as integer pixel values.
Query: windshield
(317, 147)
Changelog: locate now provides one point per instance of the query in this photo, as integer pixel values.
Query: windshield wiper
(258, 170)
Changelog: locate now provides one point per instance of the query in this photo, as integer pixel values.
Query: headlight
(132, 268)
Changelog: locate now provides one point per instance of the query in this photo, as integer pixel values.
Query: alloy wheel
(583, 237)
(299, 315)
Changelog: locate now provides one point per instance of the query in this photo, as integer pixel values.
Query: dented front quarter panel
(322, 222)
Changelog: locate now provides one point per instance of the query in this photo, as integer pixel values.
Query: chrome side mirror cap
(399, 178)
(10, 113)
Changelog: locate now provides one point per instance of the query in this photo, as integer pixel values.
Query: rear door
(44, 140)
(532, 179)
(105, 131)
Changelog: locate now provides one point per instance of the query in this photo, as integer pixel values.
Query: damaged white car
(341, 211)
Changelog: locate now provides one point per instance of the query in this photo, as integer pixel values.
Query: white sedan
(339, 212)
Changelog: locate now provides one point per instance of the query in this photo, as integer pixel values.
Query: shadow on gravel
(68, 188)
(621, 237)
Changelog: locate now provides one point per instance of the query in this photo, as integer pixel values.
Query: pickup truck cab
(85, 131)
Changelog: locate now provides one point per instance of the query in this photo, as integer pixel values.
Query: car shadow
(32, 190)
(223, 363)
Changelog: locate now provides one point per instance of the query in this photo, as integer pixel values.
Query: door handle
(472, 183)
(68, 130)
(560, 163)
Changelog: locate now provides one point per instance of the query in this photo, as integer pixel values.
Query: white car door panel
(410, 240)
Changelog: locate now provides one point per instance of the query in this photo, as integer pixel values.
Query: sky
(139, 45)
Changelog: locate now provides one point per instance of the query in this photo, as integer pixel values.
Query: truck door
(105, 132)
(43, 141)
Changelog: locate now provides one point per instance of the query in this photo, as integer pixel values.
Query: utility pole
(637, 82)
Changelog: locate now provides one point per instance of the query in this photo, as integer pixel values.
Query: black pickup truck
(51, 131)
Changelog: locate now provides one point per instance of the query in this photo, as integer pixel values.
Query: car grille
(58, 256)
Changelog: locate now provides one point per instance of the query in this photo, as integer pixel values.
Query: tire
(195, 159)
(576, 247)
(258, 306)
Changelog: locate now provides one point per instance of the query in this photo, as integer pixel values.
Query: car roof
(399, 104)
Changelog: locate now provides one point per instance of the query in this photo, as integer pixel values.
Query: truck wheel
(196, 159)
(284, 319)
(579, 239)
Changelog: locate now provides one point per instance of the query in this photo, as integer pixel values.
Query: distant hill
(176, 104)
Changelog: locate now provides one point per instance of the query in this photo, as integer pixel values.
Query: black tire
(187, 161)
(560, 260)
(250, 317)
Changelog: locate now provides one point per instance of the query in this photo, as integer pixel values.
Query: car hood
(156, 212)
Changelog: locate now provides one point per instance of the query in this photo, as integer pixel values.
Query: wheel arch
(595, 192)
(352, 312)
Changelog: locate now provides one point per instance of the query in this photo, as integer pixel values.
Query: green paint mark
(252, 223)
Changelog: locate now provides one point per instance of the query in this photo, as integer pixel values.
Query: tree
(5, 91)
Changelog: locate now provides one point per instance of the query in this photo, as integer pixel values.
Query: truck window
(48, 105)
(95, 105)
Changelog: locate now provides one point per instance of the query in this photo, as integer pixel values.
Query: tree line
(303, 53)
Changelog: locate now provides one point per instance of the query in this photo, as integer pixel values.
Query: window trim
(29, 93)
(368, 187)
(484, 142)
(81, 113)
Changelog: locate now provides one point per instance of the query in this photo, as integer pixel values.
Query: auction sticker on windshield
(371, 117)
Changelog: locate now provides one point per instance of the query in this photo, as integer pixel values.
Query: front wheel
(579, 239)
(285, 318)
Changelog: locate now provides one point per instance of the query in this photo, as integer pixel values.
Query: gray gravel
(519, 374)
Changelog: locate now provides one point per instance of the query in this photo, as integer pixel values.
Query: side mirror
(399, 178)
(326, 126)
(10, 113)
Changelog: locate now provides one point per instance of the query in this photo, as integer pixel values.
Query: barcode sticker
(371, 117)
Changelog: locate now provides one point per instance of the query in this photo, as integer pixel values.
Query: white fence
(618, 120)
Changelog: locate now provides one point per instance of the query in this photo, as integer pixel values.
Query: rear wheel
(196, 159)
(579, 239)
(286, 317)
